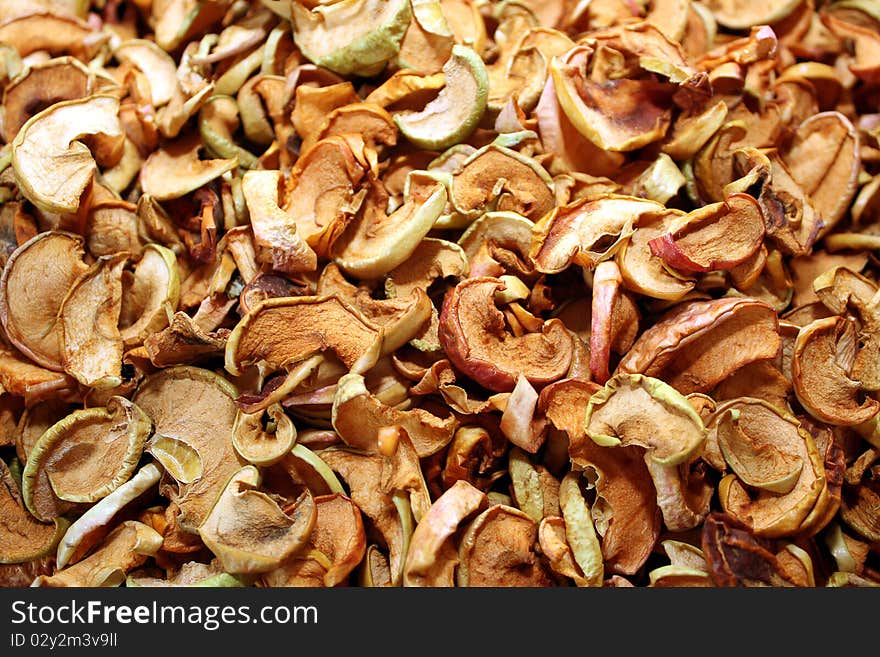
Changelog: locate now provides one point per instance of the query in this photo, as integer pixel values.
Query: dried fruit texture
(439, 293)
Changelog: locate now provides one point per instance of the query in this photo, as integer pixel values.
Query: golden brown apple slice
(498, 549)
(358, 417)
(89, 322)
(249, 532)
(774, 515)
(92, 526)
(276, 238)
(824, 351)
(690, 347)
(717, 236)
(283, 331)
(587, 231)
(22, 537)
(197, 407)
(337, 544)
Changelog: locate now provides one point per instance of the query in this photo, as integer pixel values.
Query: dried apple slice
(498, 549)
(684, 493)
(519, 72)
(624, 509)
(22, 537)
(766, 513)
(249, 532)
(176, 169)
(518, 423)
(314, 104)
(498, 178)
(678, 577)
(128, 546)
(473, 335)
(535, 489)
(92, 526)
(390, 490)
(324, 191)
(277, 241)
(84, 457)
(159, 67)
(153, 290)
(337, 544)
(431, 260)
(19, 376)
(645, 273)
(44, 84)
(454, 114)
(376, 242)
(762, 379)
(263, 445)
(284, 331)
(53, 32)
(858, 508)
(843, 291)
(823, 158)
(357, 37)
(580, 532)
(184, 342)
(633, 409)
(358, 417)
(89, 322)
(716, 236)
(587, 231)
(52, 165)
(432, 559)
(178, 21)
(29, 312)
(606, 293)
(177, 457)
(820, 373)
(618, 115)
(569, 147)
(404, 319)
(684, 554)
(697, 344)
(373, 123)
(497, 243)
(735, 556)
(744, 15)
(750, 452)
(197, 407)
(553, 543)
(791, 219)
(190, 574)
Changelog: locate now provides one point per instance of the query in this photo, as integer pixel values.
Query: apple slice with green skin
(95, 523)
(454, 114)
(351, 37)
(52, 165)
(633, 409)
(376, 242)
